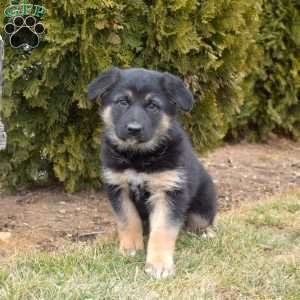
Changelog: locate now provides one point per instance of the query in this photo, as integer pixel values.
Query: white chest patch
(156, 182)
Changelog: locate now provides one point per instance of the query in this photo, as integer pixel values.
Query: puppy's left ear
(102, 83)
(177, 91)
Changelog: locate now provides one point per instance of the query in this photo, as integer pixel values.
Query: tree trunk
(2, 132)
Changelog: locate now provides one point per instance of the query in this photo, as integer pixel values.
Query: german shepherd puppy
(149, 168)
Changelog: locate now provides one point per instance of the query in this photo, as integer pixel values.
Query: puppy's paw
(208, 233)
(130, 247)
(160, 268)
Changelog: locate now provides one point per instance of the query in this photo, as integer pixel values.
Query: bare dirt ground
(49, 219)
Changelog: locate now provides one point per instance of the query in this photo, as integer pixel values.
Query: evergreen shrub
(53, 131)
(272, 104)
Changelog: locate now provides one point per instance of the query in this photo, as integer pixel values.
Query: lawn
(256, 255)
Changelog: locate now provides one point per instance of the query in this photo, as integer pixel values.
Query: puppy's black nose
(134, 128)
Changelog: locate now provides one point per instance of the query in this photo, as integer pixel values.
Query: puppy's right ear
(102, 83)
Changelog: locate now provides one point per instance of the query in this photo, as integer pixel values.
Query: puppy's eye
(152, 106)
(123, 101)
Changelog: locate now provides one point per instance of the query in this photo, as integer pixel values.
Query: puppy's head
(139, 105)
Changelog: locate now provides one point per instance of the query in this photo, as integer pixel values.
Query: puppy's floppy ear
(177, 91)
(102, 83)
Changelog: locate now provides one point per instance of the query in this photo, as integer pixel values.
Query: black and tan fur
(153, 179)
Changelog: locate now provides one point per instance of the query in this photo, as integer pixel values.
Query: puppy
(150, 171)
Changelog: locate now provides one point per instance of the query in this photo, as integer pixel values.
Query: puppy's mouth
(133, 140)
(130, 141)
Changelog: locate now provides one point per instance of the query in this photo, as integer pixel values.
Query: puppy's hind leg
(202, 211)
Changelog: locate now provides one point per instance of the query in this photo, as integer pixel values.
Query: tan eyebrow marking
(128, 93)
(148, 96)
(153, 96)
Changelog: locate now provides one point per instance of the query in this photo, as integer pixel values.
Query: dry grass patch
(256, 255)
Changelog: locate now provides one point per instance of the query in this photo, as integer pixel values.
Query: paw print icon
(24, 32)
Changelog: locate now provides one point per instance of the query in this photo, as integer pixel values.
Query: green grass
(256, 255)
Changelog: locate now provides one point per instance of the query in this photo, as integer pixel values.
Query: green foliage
(53, 131)
(210, 44)
(272, 104)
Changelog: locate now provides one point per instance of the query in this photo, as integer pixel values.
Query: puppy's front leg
(164, 229)
(129, 223)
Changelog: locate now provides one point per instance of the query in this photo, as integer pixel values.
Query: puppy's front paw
(129, 247)
(208, 233)
(160, 267)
